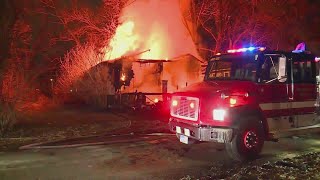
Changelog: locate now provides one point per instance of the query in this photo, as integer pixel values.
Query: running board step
(295, 131)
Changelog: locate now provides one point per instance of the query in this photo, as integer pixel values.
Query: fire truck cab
(249, 96)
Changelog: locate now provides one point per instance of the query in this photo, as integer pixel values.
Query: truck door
(273, 94)
(303, 91)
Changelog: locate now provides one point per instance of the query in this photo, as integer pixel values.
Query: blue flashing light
(251, 48)
(300, 48)
(297, 51)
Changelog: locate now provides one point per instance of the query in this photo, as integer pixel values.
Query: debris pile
(306, 166)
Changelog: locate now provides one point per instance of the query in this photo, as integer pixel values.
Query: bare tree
(230, 24)
(15, 89)
(16, 76)
(83, 77)
(82, 23)
(36, 40)
(90, 31)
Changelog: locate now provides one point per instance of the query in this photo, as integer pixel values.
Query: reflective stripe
(288, 105)
(303, 104)
(282, 122)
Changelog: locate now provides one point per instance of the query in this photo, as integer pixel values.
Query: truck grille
(185, 107)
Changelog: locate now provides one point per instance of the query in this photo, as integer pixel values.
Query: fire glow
(123, 41)
(123, 77)
(155, 26)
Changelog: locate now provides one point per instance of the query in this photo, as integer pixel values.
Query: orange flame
(154, 25)
(123, 77)
(123, 41)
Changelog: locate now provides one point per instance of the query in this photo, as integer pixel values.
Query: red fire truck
(248, 96)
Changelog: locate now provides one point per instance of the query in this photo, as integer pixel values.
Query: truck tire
(247, 142)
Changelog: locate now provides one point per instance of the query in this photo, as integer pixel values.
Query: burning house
(177, 72)
(155, 26)
(152, 51)
(150, 77)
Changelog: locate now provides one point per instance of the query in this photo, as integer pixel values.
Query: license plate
(184, 139)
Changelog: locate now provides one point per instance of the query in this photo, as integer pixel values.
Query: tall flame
(154, 25)
(123, 41)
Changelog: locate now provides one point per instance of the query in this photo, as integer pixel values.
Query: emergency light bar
(300, 48)
(246, 49)
(317, 59)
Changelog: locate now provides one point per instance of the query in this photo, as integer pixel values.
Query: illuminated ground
(153, 157)
(164, 158)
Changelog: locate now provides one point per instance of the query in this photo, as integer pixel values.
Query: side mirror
(282, 69)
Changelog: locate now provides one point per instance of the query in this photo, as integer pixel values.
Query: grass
(60, 123)
(76, 121)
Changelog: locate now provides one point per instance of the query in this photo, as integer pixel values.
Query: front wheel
(247, 142)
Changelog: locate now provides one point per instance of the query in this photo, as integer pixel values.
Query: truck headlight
(174, 103)
(218, 114)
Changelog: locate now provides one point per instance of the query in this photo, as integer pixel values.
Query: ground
(122, 145)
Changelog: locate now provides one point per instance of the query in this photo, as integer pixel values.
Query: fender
(239, 114)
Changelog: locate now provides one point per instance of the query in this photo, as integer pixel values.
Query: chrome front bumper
(214, 134)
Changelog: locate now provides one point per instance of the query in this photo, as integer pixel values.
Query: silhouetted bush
(7, 118)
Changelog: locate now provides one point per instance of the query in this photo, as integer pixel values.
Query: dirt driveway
(130, 156)
(160, 157)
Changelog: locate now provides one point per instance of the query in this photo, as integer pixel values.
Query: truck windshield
(231, 69)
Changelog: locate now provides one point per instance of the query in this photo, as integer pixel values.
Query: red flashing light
(231, 51)
(262, 48)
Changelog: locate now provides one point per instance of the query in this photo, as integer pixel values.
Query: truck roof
(305, 55)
